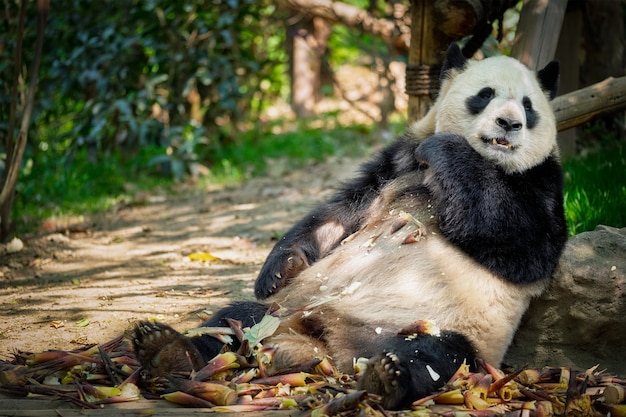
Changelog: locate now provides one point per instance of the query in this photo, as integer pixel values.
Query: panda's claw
(384, 376)
(278, 271)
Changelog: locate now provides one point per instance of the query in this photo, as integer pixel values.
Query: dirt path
(65, 290)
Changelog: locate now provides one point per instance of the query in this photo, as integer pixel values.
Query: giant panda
(429, 257)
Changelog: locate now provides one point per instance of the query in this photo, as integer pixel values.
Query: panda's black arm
(513, 224)
(324, 228)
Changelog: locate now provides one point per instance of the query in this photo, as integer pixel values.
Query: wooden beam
(583, 105)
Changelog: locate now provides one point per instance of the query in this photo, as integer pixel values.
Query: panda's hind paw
(162, 350)
(386, 377)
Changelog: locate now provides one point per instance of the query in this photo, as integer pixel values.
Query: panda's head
(501, 107)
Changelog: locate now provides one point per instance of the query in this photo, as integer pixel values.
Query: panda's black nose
(508, 124)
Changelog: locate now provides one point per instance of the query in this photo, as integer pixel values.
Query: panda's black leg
(162, 350)
(248, 313)
(415, 366)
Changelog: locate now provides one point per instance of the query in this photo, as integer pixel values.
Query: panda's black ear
(549, 78)
(454, 60)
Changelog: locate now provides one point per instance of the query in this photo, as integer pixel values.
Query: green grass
(253, 152)
(595, 190)
(259, 154)
(58, 188)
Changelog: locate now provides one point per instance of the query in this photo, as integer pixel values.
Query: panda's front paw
(279, 269)
(162, 350)
(386, 376)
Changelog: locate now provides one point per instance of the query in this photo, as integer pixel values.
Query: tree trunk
(307, 42)
(538, 32)
(15, 149)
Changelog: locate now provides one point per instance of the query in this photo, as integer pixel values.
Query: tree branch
(354, 17)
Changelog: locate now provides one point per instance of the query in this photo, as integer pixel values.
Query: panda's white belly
(390, 285)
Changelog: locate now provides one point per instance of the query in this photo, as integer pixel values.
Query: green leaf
(83, 323)
(263, 329)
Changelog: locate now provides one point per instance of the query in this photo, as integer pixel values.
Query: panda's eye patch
(532, 117)
(528, 105)
(476, 104)
(486, 93)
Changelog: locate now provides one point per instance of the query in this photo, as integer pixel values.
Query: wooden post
(538, 32)
(434, 25)
(425, 55)
(567, 53)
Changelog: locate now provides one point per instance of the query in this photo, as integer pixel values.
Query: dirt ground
(87, 283)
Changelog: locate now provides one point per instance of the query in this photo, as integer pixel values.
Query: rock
(15, 245)
(581, 320)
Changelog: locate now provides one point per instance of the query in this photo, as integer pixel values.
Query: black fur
(477, 103)
(549, 78)
(248, 312)
(398, 369)
(513, 224)
(532, 117)
(454, 60)
(401, 373)
(162, 350)
(298, 248)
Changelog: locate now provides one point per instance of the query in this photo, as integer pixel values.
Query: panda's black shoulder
(520, 230)
(394, 160)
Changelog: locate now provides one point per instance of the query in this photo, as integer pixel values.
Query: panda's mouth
(500, 143)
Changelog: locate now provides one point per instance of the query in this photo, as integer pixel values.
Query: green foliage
(180, 77)
(595, 190)
(595, 185)
(257, 153)
(134, 75)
